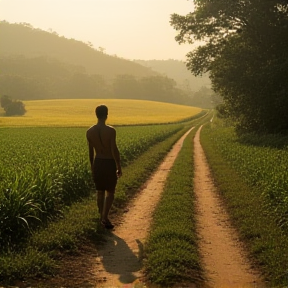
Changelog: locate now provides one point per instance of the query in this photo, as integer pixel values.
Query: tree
(245, 50)
(15, 108)
(12, 107)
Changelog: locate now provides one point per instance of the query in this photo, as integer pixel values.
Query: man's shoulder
(110, 127)
(90, 130)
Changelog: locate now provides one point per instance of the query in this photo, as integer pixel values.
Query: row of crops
(43, 170)
(262, 162)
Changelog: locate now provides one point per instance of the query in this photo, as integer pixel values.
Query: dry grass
(80, 112)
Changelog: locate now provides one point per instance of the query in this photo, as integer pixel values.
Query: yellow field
(81, 113)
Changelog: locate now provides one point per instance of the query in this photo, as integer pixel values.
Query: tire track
(224, 259)
(119, 261)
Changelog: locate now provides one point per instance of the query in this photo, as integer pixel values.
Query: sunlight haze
(131, 29)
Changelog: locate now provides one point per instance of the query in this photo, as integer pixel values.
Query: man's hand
(119, 172)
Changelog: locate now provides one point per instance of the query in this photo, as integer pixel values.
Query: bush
(12, 107)
(15, 108)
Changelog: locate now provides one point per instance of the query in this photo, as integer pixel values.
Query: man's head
(101, 111)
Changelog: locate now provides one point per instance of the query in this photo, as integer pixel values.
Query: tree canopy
(245, 50)
(12, 107)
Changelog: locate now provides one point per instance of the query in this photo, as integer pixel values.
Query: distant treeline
(178, 71)
(45, 78)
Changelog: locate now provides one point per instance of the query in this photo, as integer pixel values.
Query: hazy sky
(132, 29)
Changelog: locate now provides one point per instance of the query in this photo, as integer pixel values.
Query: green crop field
(44, 169)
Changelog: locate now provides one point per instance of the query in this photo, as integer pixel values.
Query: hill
(23, 39)
(36, 64)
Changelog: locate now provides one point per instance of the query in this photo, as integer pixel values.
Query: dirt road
(117, 263)
(225, 263)
(119, 260)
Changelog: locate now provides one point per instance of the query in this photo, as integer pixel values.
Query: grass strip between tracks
(171, 249)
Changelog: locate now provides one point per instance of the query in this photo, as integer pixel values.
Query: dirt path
(223, 257)
(119, 261)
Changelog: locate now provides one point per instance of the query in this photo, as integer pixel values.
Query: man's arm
(91, 152)
(116, 153)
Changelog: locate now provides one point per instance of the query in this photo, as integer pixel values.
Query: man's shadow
(117, 258)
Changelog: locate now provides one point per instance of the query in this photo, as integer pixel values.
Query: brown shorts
(104, 174)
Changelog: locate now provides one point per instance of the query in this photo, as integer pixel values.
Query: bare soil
(117, 262)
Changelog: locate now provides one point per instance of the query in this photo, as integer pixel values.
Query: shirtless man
(104, 158)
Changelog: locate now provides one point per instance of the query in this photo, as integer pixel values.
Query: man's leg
(100, 202)
(108, 204)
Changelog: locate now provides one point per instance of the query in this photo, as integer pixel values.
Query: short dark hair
(101, 111)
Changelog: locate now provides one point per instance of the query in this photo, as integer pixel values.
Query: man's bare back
(102, 138)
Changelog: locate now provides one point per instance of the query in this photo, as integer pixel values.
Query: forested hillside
(23, 39)
(41, 65)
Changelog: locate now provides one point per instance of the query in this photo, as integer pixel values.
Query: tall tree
(245, 49)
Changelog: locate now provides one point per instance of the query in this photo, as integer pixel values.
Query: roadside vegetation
(171, 249)
(251, 175)
(35, 253)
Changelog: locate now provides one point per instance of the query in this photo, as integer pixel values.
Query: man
(104, 158)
